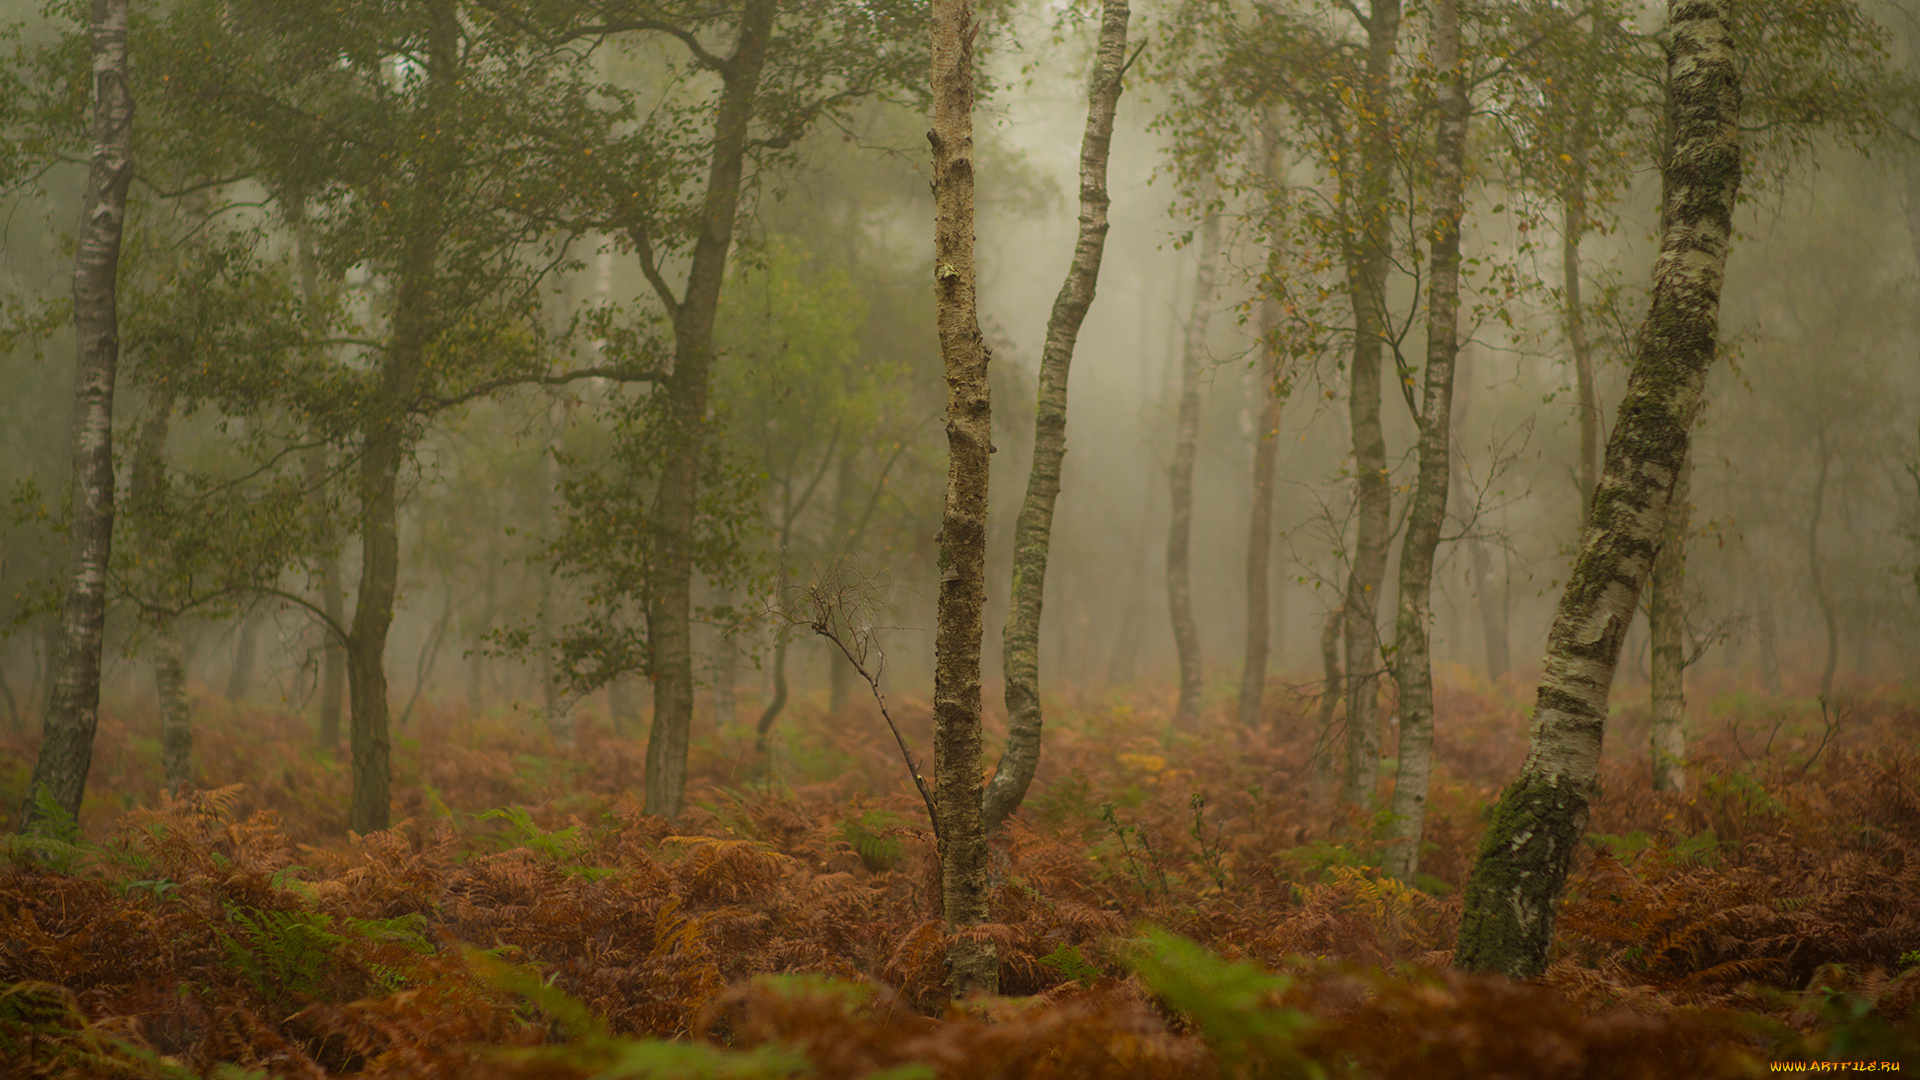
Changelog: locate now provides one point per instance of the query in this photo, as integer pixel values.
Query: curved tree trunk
(1266, 445)
(1413, 660)
(670, 593)
(1667, 624)
(1366, 290)
(1186, 443)
(962, 840)
(73, 711)
(1033, 529)
(1507, 923)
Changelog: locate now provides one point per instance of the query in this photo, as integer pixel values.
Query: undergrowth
(1167, 905)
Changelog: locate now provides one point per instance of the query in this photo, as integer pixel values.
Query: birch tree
(1033, 528)
(66, 746)
(1507, 923)
(1186, 443)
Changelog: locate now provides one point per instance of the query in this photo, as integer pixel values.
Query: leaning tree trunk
(1413, 660)
(963, 529)
(1266, 445)
(1507, 923)
(1186, 442)
(1366, 291)
(66, 746)
(1033, 529)
(1814, 575)
(670, 594)
(1667, 621)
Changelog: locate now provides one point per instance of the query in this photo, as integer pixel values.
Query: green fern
(282, 953)
(871, 835)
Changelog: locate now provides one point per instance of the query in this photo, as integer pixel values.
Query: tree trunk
(333, 655)
(1033, 529)
(1186, 442)
(383, 448)
(1331, 685)
(1813, 572)
(1573, 210)
(553, 701)
(725, 666)
(1266, 446)
(670, 594)
(971, 964)
(1667, 621)
(1507, 923)
(1366, 289)
(839, 668)
(146, 490)
(1493, 609)
(1413, 660)
(66, 745)
(245, 644)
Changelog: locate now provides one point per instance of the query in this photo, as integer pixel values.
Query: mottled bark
(1367, 264)
(1033, 529)
(1186, 444)
(1667, 623)
(1266, 445)
(1507, 922)
(962, 841)
(670, 594)
(1413, 659)
(66, 745)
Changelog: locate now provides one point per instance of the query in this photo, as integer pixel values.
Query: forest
(521, 560)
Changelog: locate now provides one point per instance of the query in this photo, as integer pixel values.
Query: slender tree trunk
(553, 700)
(958, 793)
(1507, 923)
(66, 745)
(245, 644)
(147, 493)
(1769, 644)
(1492, 609)
(1266, 445)
(1366, 288)
(1033, 529)
(839, 668)
(1813, 572)
(1573, 209)
(383, 449)
(670, 599)
(1413, 659)
(726, 677)
(1331, 685)
(1186, 443)
(333, 652)
(1667, 622)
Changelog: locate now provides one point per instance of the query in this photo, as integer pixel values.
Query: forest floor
(1166, 905)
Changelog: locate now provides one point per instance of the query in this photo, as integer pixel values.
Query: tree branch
(617, 374)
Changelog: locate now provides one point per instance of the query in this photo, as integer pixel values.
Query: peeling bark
(1507, 922)
(66, 745)
(1033, 529)
(1413, 660)
(971, 965)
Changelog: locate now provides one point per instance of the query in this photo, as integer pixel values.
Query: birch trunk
(1366, 290)
(1186, 442)
(66, 745)
(670, 595)
(1667, 622)
(1266, 445)
(971, 965)
(1413, 659)
(1033, 529)
(1507, 923)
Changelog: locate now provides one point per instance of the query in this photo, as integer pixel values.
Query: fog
(1818, 397)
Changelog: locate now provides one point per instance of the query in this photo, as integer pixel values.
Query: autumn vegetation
(1167, 903)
